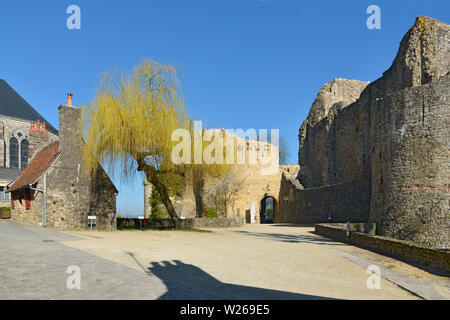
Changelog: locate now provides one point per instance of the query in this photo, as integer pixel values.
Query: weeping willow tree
(129, 125)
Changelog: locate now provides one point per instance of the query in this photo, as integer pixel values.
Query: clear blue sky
(243, 63)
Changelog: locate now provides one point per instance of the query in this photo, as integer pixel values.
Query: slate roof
(9, 174)
(38, 165)
(12, 105)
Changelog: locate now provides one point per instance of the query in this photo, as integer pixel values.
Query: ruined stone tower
(379, 152)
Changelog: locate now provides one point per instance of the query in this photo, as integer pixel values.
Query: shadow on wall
(176, 274)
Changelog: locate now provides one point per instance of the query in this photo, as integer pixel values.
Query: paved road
(252, 262)
(34, 261)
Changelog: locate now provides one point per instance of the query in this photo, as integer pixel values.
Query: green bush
(5, 208)
(212, 213)
(159, 211)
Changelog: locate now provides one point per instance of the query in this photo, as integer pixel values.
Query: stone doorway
(267, 207)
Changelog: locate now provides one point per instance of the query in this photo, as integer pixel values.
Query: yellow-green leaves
(133, 115)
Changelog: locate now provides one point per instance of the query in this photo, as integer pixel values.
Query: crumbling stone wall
(393, 133)
(331, 138)
(255, 187)
(258, 183)
(410, 180)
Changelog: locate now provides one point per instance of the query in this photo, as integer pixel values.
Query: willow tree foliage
(223, 193)
(129, 125)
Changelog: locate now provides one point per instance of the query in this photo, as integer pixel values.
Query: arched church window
(13, 153)
(23, 154)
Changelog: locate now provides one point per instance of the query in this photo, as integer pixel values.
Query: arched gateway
(267, 209)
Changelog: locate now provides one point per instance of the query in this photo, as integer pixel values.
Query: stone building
(16, 145)
(261, 181)
(53, 190)
(379, 151)
(369, 152)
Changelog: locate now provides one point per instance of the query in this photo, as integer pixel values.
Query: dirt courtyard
(252, 262)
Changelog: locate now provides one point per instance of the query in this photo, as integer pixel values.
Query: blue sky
(242, 63)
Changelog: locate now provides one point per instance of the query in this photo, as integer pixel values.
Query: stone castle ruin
(257, 178)
(370, 152)
(379, 152)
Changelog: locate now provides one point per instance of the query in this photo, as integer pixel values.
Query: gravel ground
(277, 261)
(251, 262)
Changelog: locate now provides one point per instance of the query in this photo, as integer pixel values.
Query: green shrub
(159, 211)
(212, 213)
(5, 208)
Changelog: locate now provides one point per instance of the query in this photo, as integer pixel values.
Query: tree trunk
(165, 199)
(197, 186)
(152, 176)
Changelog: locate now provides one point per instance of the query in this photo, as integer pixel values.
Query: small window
(23, 154)
(13, 153)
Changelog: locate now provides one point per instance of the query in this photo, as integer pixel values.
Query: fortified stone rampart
(332, 147)
(410, 177)
(259, 180)
(391, 137)
(345, 201)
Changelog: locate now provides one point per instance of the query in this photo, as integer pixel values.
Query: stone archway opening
(267, 208)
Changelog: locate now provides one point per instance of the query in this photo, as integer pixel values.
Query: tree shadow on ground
(189, 282)
(189, 276)
(292, 238)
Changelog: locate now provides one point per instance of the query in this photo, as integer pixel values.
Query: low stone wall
(363, 227)
(185, 223)
(406, 250)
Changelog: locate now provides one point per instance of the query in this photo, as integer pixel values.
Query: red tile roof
(37, 166)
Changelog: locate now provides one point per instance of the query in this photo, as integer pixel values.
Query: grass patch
(163, 229)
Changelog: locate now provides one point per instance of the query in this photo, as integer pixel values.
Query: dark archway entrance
(267, 207)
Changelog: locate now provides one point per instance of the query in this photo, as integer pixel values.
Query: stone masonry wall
(80, 196)
(71, 195)
(185, 223)
(392, 133)
(332, 144)
(9, 126)
(257, 184)
(410, 178)
(406, 250)
(346, 201)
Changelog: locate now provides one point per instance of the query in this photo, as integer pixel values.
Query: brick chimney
(38, 138)
(32, 129)
(44, 129)
(69, 99)
(69, 138)
(37, 129)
